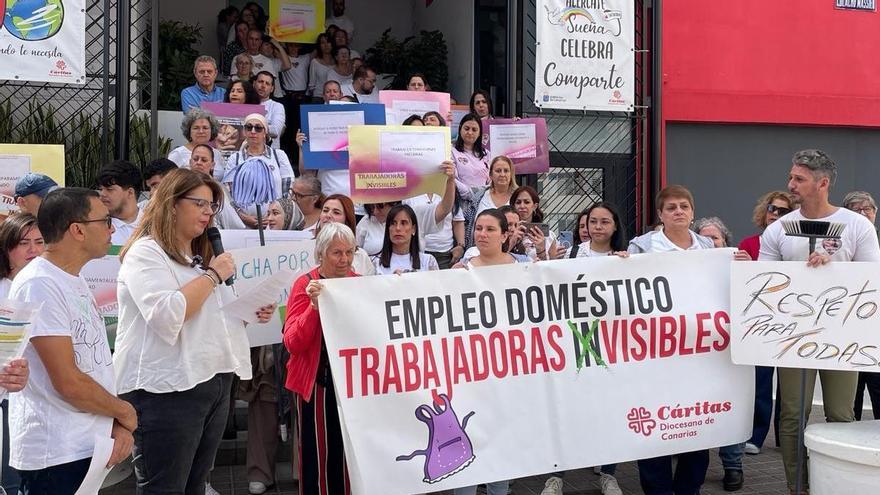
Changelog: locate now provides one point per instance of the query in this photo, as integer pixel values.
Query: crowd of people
(176, 350)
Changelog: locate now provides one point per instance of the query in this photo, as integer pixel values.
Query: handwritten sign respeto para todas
(787, 314)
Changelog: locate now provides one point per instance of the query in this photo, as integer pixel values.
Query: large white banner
(584, 56)
(458, 377)
(787, 314)
(43, 40)
(285, 250)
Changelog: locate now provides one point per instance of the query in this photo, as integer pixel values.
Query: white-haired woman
(198, 127)
(321, 465)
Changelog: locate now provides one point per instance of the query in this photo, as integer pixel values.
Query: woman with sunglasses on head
(176, 351)
(256, 145)
(400, 251)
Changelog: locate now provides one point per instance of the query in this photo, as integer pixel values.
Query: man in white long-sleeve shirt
(809, 181)
(264, 84)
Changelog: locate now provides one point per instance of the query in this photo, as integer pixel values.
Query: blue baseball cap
(32, 183)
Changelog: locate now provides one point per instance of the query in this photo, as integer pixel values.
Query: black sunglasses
(779, 210)
(254, 128)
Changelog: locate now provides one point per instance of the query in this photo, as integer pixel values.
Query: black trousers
(178, 436)
(63, 479)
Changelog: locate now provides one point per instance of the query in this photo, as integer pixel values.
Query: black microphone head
(213, 233)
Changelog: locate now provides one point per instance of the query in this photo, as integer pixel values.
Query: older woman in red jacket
(321, 458)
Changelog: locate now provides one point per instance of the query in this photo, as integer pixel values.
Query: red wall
(799, 62)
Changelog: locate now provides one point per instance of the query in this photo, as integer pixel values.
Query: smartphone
(545, 229)
(565, 239)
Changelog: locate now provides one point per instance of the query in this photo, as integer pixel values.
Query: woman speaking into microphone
(176, 351)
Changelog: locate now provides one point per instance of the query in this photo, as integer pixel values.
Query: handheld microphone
(217, 246)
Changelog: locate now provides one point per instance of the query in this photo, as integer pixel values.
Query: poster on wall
(43, 40)
(296, 21)
(585, 58)
(442, 378)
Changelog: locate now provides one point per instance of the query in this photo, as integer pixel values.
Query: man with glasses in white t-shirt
(71, 396)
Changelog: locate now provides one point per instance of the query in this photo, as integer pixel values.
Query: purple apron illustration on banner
(449, 448)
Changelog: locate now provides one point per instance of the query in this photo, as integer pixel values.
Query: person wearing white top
(198, 127)
(119, 185)
(320, 65)
(71, 394)
(255, 128)
(526, 202)
(342, 72)
(363, 85)
(176, 351)
(810, 179)
(599, 233)
(401, 252)
(20, 243)
(502, 183)
(227, 217)
(370, 230)
(340, 20)
(447, 244)
(276, 116)
(262, 63)
(675, 208)
(339, 208)
(296, 78)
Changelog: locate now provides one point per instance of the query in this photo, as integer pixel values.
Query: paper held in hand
(264, 294)
(16, 320)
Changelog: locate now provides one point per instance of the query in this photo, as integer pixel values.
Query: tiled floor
(763, 475)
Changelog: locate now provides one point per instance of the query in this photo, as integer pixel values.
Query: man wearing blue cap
(30, 191)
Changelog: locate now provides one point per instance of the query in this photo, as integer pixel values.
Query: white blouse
(156, 350)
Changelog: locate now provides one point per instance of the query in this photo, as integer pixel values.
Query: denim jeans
(763, 405)
(63, 479)
(732, 456)
(494, 488)
(9, 477)
(657, 478)
(178, 435)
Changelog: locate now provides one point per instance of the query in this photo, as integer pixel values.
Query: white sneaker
(752, 449)
(256, 488)
(609, 485)
(209, 490)
(553, 486)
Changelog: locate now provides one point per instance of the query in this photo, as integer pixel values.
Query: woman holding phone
(540, 241)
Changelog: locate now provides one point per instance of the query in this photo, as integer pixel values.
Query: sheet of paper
(246, 306)
(328, 131)
(405, 108)
(415, 149)
(98, 469)
(514, 140)
(16, 320)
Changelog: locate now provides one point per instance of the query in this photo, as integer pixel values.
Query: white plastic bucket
(844, 458)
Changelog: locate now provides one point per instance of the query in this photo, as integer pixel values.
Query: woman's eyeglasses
(254, 128)
(204, 204)
(779, 210)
